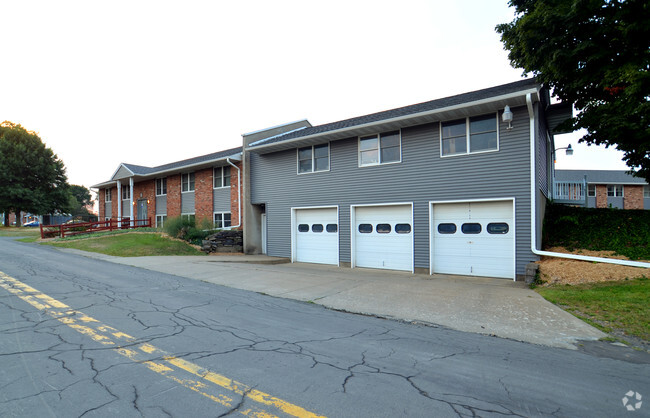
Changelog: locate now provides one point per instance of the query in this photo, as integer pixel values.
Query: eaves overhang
(486, 105)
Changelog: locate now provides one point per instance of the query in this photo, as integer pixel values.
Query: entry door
(142, 211)
(263, 219)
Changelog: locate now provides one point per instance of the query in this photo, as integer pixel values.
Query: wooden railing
(70, 229)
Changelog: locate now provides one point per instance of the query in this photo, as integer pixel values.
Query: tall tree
(82, 198)
(32, 178)
(596, 55)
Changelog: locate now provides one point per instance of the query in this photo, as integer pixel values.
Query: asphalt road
(84, 337)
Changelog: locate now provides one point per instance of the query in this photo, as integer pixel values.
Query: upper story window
(221, 177)
(314, 158)
(108, 195)
(615, 191)
(187, 182)
(646, 192)
(161, 187)
(469, 135)
(126, 193)
(382, 148)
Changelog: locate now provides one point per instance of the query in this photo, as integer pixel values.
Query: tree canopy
(596, 55)
(32, 177)
(81, 198)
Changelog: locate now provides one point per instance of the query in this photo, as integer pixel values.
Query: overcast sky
(152, 82)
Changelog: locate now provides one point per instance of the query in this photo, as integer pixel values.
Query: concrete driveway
(498, 307)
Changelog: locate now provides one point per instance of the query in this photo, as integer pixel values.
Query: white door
(474, 238)
(263, 221)
(316, 236)
(383, 237)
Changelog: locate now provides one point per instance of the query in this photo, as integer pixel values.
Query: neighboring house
(605, 188)
(444, 186)
(200, 188)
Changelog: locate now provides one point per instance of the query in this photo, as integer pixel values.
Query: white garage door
(475, 238)
(384, 237)
(316, 236)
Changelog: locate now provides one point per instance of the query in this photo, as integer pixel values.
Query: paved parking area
(498, 307)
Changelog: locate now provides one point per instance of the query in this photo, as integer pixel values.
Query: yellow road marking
(207, 383)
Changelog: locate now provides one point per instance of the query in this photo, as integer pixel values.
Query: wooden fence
(76, 228)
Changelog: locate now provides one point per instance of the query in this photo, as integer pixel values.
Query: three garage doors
(467, 238)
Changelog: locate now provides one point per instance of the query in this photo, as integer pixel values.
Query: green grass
(130, 245)
(614, 307)
(12, 231)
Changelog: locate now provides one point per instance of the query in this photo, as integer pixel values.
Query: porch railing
(70, 229)
(570, 192)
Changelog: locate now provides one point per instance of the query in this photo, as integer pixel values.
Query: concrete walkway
(474, 304)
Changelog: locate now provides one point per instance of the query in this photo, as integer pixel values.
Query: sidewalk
(473, 304)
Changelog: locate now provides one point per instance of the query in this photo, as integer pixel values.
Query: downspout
(132, 200)
(533, 207)
(238, 194)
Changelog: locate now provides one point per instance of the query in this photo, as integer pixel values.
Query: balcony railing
(570, 192)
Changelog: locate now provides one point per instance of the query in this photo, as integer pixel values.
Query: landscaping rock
(224, 242)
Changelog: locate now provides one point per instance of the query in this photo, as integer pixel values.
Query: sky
(152, 82)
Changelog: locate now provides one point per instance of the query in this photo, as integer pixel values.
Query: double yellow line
(214, 386)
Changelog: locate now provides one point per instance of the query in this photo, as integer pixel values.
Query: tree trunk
(6, 222)
(18, 218)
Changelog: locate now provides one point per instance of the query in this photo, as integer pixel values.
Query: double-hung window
(126, 193)
(646, 192)
(108, 194)
(469, 135)
(187, 182)
(615, 191)
(222, 220)
(314, 158)
(591, 190)
(189, 217)
(161, 186)
(382, 148)
(160, 220)
(221, 177)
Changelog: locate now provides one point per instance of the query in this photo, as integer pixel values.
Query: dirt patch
(553, 270)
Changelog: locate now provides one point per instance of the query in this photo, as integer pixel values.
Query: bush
(186, 229)
(627, 232)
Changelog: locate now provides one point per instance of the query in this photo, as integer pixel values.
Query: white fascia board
(275, 136)
(275, 127)
(407, 117)
(184, 168)
(104, 184)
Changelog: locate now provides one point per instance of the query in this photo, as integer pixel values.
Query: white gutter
(238, 194)
(533, 208)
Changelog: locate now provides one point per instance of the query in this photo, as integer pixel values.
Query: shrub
(178, 227)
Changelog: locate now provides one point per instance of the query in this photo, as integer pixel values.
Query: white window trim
(188, 215)
(163, 220)
(188, 182)
(589, 190)
(108, 193)
(646, 192)
(616, 186)
(128, 192)
(222, 219)
(222, 182)
(378, 135)
(156, 186)
(313, 165)
(467, 137)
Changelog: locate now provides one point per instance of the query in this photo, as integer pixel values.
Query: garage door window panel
(471, 228)
(365, 228)
(498, 228)
(447, 228)
(303, 228)
(332, 228)
(383, 228)
(317, 228)
(403, 228)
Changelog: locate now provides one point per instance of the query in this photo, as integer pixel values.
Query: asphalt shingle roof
(598, 176)
(404, 111)
(142, 170)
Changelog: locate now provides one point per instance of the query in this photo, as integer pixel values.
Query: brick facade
(633, 197)
(145, 190)
(234, 195)
(174, 196)
(203, 202)
(601, 196)
(101, 198)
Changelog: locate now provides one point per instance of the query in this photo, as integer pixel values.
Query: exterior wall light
(507, 116)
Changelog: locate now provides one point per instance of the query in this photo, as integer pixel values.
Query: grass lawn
(12, 231)
(621, 308)
(130, 245)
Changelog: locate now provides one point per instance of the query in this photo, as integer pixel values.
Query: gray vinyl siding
(421, 177)
(542, 150)
(122, 173)
(126, 208)
(221, 199)
(615, 202)
(591, 202)
(646, 203)
(161, 205)
(108, 209)
(187, 202)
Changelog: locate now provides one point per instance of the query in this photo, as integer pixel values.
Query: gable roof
(451, 107)
(140, 172)
(599, 176)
